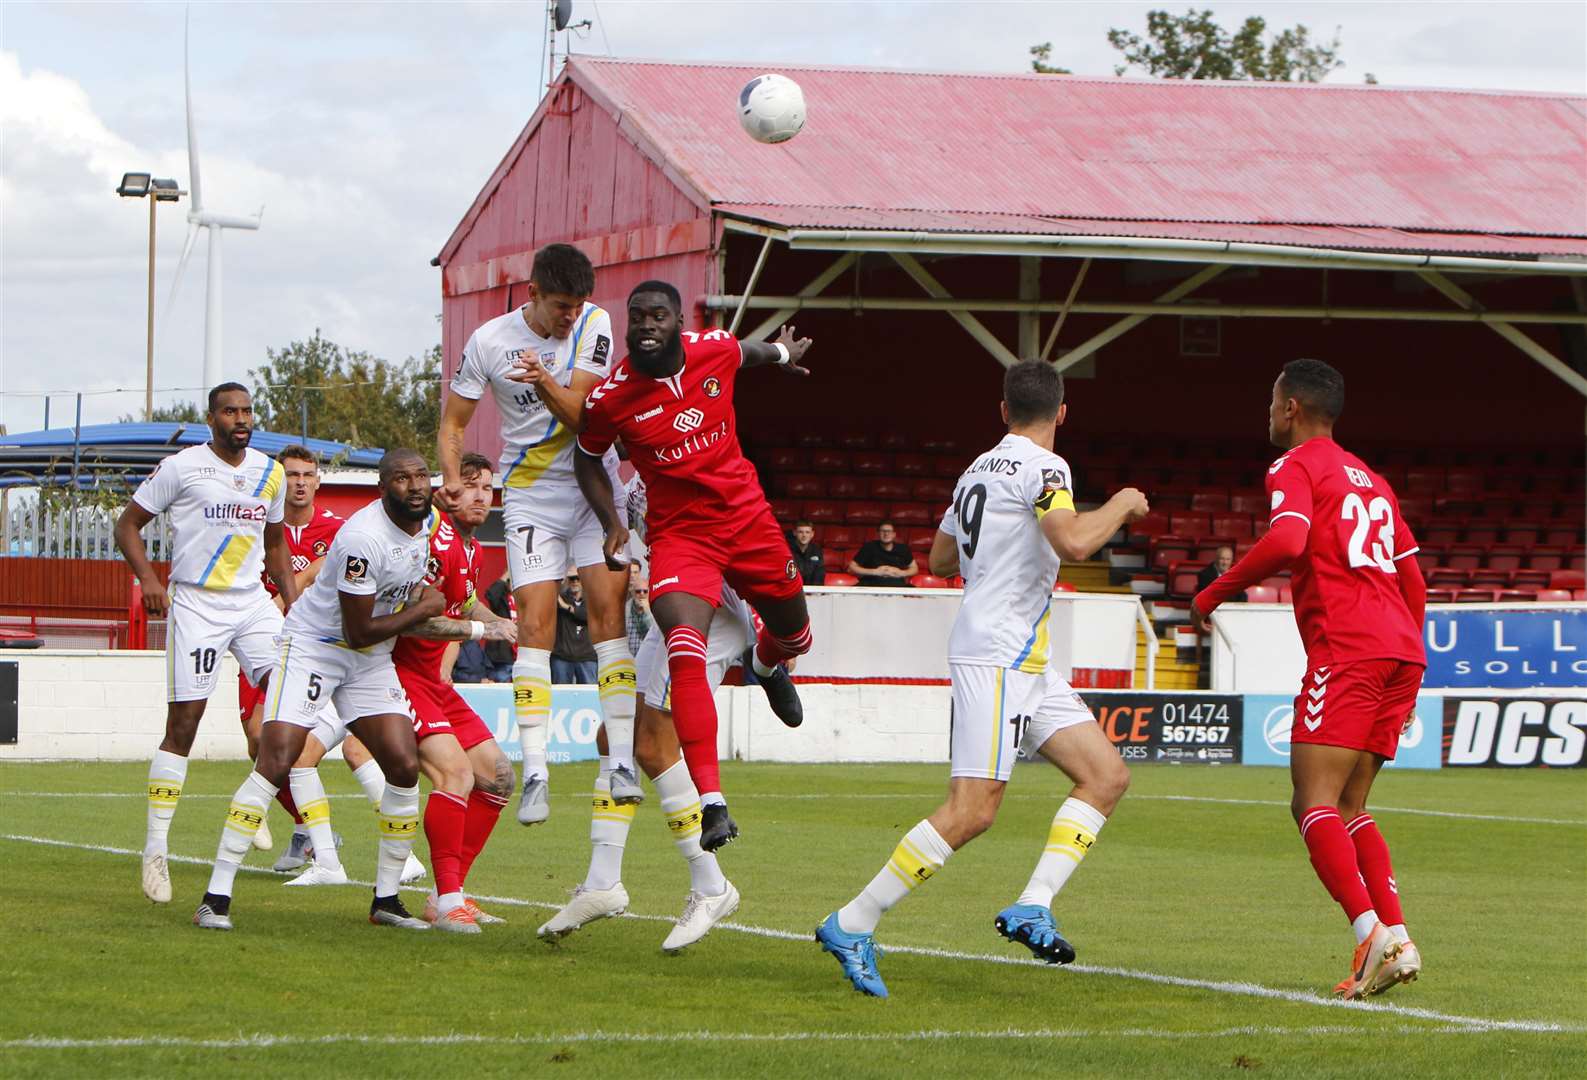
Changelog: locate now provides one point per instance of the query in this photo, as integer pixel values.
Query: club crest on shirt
(320, 548)
(791, 570)
(432, 570)
(712, 386)
(239, 481)
(357, 569)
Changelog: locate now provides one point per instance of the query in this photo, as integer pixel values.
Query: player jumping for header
(1359, 603)
(671, 402)
(1012, 520)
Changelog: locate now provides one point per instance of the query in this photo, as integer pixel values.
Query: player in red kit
(1359, 603)
(470, 776)
(670, 401)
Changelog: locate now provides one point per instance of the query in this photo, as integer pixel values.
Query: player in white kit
(335, 646)
(712, 897)
(227, 501)
(1013, 516)
(539, 363)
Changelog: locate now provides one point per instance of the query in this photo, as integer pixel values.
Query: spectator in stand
(807, 553)
(1216, 569)
(884, 561)
(639, 620)
(469, 664)
(573, 654)
(501, 654)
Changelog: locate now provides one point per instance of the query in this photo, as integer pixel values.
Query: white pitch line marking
(1244, 989)
(265, 1042)
(922, 796)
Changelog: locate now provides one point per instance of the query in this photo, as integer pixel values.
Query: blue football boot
(1033, 927)
(857, 954)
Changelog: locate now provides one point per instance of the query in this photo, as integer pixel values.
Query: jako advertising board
(1482, 648)
(1269, 717)
(575, 715)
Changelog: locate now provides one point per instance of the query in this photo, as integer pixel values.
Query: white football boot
(156, 879)
(320, 875)
(700, 914)
(586, 907)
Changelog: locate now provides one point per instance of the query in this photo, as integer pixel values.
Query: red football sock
(1372, 856)
(284, 797)
(445, 816)
(483, 811)
(1333, 856)
(771, 650)
(693, 707)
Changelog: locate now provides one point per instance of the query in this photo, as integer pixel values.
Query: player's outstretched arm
(1077, 537)
(455, 416)
(784, 352)
(597, 489)
(1281, 546)
(129, 538)
(944, 558)
(445, 628)
(278, 564)
(361, 627)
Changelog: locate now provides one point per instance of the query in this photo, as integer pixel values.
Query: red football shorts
(1361, 705)
(756, 563)
(438, 709)
(249, 696)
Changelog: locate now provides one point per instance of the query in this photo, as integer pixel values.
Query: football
(771, 108)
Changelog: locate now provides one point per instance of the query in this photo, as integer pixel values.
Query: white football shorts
(724, 645)
(548, 531)
(1000, 714)
(311, 674)
(203, 625)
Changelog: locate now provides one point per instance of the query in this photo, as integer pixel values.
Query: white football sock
(372, 780)
(1074, 829)
(680, 802)
(614, 675)
(609, 825)
(167, 773)
(918, 855)
(248, 808)
(531, 700)
(399, 825)
(308, 791)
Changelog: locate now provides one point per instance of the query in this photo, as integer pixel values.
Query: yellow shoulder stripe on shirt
(271, 482)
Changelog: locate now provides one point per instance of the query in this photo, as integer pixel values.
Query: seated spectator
(1216, 569)
(471, 665)
(573, 655)
(501, 654)
(638, 610)
(807, 553)
(884, 561)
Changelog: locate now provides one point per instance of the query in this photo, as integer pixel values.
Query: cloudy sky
(365, 130)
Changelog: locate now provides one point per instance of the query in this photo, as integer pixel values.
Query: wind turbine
(199, 218)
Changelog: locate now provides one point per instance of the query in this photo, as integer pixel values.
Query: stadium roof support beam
(1508, 331)
(1125, 325)
(794, 303)
(973, 326)
(1063, 312)
(749, 289)
(1231, 252)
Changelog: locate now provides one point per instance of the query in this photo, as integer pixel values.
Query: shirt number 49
(1365, 549)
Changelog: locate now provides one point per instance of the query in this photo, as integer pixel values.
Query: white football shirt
(1009, 568)
(218, 517)
(537, 448)
(370, 556)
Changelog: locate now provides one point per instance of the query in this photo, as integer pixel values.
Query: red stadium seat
(1558, 535)
(895, 441)
(1490, 579)
(1064, 586)
(1211, 501)
(846, 487)
(1577, 560)
(891, 488)
(858, 441)
(1442, 534)
(1517, 596)
(1464, 482)
(785, 460)
(1434, 596)
(910, 514)
(1447, 577)
(1567, 579)
(1248, 504)
(934, 490)
(836, 558)
(1182, 579)
(928, 581)
(1427, 558)
(812, 440)
(1207, 549)
(840, 536)
(1424, 480)
(1167, 550)
(1190, 524)
(865, 513)
(1286, 595)
(1524, 535)
(786, 510)
(1552, 595)
(1235, 526)
(1477, 596)
(921, 545)
(1276, 582)
(948, 466)
(829, 461)
(1418, 510)
(822, 511)
(1546, 558)
(1482, 534)
(872, 464)
(940, 446)
(1530, 579)
(804, 487)
(1153, 524)
(1465, 556)
(1578, 594)
(1506, 556)
(842, 580)
(912, 465)
(1261, 594)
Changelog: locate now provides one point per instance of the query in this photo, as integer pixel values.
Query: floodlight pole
(148, 358)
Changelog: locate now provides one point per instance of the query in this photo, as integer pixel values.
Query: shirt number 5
(1378, 512)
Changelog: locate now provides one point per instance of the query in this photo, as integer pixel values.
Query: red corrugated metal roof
(1334, 166)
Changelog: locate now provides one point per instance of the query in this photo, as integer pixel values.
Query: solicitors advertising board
(1201, 729)
(1505, 649)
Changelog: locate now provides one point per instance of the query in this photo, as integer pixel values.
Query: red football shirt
(1347, 596)
(454, 569)
(682, 436)
(306, 543)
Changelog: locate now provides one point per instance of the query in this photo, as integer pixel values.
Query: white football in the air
(771, 108)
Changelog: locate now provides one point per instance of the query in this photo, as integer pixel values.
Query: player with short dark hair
(226, 501)
(539, 362)
(1012, 521)
(671, 402)
(1359, 603)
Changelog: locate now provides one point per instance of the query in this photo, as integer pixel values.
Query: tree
(1194, 46)
(352, 396)
(182, 412)
(1039, 55)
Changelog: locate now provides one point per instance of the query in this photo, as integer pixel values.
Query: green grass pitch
(1206, 945)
